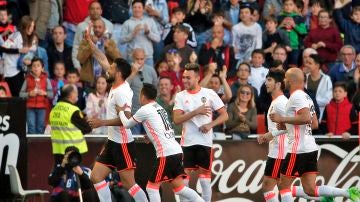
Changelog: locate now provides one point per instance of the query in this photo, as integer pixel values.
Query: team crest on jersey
(203, 100)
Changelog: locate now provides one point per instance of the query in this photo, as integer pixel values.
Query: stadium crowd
(235, 42)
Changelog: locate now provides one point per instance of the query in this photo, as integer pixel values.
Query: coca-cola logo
(240, 180)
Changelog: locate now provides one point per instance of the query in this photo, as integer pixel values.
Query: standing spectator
(272, 7)
(199, 14)
(40, 12)
(6, 28)
(74, 13)
(217, 51)
(318, 83)
(294, 25)
(174, 71)
(91, 68)
(242, 114)
(95, 12)
(312, 16)
(58, 81)
(247, 35)
(340, 116)
(325, 39)
(140, 73)
(96, 103)
(273, 37)
(353, 78)
(73, 78)
(258, 71)
(37, 90)
(340, 71)
(243, 73)
(280, 54)
(55, 19)
(232, 12)
(117, 12)
(20, 41)
(177, 18)
(350, 27)
(58, 50)
(140, 32)
(181, 34)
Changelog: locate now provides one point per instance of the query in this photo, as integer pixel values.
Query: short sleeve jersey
(300, 136)
(187, 102)
(158, 128)
(119, 95)
(279, 145)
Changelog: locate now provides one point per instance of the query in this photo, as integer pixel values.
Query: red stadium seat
(261, 126)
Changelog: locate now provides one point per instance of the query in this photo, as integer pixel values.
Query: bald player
(301, 160)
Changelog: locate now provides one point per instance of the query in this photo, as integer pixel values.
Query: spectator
(340, 116)
(55, 19)
(350, 27)
(166, 99)
(217, 51)
(58, 81)
(243, 73)
(91, 68)
(318, 83)
(160, 67)
(340, 71)
(181, 34)
(272, 37)
(95, 12)
(177, 18)
(96, 103)
(37, 90)
(354, 79)
(272, 7)
(247, 35)
(199, 13)
(6, 28)
(219, 19)
(312, 17)
(325, 39)
(232, 12)
(75, 13)
(242, 114)
(258, 71)
(20, 42)
(140, 31)
(294, 25)
(305, 56)
(64, 179)
(140, 73)
(37, 51)
(73, 78)
(280, 54)
(174, 71)
(58, 50)
(40, 12)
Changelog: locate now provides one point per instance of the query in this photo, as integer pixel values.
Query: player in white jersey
(277, 144)
(301, 160)
(168, 165)
(193, 108)
(119, 151)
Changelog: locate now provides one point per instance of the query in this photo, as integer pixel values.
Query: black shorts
(198, 156)
(167, 168)
(272, 168)
(295, 165)
(119, 156)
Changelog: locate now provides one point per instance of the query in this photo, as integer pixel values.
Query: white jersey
(119, 95)
(300, 136)
(158, 128)
(279, 145)
(187, 102)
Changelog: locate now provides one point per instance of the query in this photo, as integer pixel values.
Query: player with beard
(119, 150)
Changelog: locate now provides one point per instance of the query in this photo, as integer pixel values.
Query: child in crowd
(340, 117)
(294, 25)
(258, 71)
(173, 60)
(273, 37)
(178, 17)
(58, 81)
(37, 90)
(350, 27)
(73, 77)
(6, 28)
(247, 35)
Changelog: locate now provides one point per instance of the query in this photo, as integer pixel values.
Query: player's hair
(124, 67)
(149, 91)
(192, 67)
(278, 76)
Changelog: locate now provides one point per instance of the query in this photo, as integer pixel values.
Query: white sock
(271, 196)
(153, 193)
(286, 195)
(298, 191)
(137, 193)
(188, 194)
(205, 182)
(103, 191)
(332, 191)
(186, 183)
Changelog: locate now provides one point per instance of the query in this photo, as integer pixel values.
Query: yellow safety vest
(63, 132)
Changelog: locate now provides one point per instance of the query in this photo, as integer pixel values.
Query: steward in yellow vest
(67, 124)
